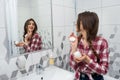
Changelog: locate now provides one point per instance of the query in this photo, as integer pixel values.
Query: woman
(31, 39)
(94, 49)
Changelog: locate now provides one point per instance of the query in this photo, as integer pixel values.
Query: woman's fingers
(79, 59)
(20, 44)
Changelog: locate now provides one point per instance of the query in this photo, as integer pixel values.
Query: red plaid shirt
(101, 47)
(35, 44)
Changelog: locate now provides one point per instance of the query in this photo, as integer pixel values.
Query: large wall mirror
(18, 12)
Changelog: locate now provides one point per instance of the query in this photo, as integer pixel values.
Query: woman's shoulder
(101, 40)
(36, 35)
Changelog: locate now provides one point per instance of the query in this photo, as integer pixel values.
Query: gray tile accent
(26, 56)
(116, 29)
(117, 55)
(64, 37)
(111, 62)
(62, 64)
(50, 44)
(111, 49)
(55, 60)
(100, 34)
(23, 71)
(67, 65)
(64, 57)
(14, 73)
(62, 45)
(60, 58)
(4, 77)
(117, 76)
(41, 61)
(31, 68)
(112, 36)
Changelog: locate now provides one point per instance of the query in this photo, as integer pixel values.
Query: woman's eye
(33, 24)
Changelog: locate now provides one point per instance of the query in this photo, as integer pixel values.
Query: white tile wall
(69, 3)
(63, 21)
(69, 16)
(110, 3)
(39, 2)
(105, 33)
(4, 68)
(42, 15)
(110, 15)
(2, 15)
(3, 43)
(57, 2)
(23, 3)
(85, 4)
(12, 65)
(24, 13)
(3, 40)
(58, 15)
(59, 32)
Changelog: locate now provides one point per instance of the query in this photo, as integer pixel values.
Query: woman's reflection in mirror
(31, 39)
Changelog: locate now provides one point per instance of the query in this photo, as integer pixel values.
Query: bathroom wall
(9, 67)
(63, 25)
(64, 17)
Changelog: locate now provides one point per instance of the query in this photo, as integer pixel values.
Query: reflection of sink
(54, 73)
(50, 73)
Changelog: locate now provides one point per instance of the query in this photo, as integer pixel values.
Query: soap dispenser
(51, 59)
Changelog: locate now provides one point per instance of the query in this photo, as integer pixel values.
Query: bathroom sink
(50, 73)
(55, 73)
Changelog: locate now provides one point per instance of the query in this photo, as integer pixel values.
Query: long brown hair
(26, 26)
(90, 22)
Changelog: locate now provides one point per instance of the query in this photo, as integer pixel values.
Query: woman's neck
(85, 43)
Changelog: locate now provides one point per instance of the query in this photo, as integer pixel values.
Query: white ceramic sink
(50, 73)
(54, 73)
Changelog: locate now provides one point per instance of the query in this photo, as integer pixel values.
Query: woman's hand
(28, 36)
(20, 44)
(84, 58)
(73, 43)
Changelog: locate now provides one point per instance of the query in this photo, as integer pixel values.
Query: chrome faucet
(39, 68)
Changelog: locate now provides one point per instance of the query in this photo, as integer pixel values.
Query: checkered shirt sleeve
(102, 66)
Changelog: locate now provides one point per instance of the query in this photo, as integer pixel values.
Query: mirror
(18, 11)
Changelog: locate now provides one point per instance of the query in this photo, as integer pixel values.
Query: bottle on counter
(51, 59)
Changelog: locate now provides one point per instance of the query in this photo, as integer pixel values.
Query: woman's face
(83, 32)
(31, 26)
